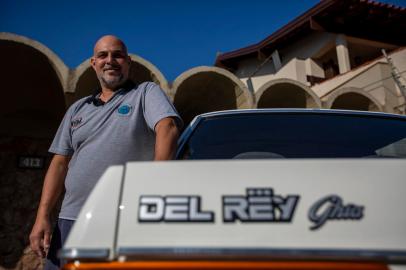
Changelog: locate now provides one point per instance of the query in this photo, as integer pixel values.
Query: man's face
(110, 62)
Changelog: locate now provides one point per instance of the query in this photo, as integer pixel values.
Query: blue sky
(174, 35)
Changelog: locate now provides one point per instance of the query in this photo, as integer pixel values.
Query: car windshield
(284, 135)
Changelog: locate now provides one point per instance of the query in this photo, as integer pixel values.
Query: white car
(267, 189)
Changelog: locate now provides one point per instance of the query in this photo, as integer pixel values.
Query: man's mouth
(111, 69)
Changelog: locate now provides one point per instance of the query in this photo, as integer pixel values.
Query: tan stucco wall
(51, 87)
(48, 90)
(294, 62)
(298, 61)
(313, 69)
(374, 78)
(295, 69)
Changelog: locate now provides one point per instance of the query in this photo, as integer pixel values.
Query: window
(293, 135)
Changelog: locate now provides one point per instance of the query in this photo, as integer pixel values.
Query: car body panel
(317, 209)
(94, 232)
(376, 185)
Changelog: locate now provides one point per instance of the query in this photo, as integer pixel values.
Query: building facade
(329, 57)
(332, 56)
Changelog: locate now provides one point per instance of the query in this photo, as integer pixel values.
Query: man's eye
(101, 56)
(118, 55)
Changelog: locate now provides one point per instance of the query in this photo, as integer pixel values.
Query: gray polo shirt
(96, 137)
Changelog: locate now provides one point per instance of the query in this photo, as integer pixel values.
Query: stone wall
(19, 197)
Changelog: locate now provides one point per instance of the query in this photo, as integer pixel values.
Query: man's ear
(92, 62)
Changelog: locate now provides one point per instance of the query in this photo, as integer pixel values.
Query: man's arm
(166, 136)
(51, 190)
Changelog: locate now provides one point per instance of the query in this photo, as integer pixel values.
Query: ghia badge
(332, 208)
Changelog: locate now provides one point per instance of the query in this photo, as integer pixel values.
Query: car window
(297, 136)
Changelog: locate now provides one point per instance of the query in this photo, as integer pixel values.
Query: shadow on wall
(33, 93)
(206, 89)
(33, 108)
(283, 96)
(286, 93)
(204, 92)
(87, 82)
(354, 101)
(19, 197)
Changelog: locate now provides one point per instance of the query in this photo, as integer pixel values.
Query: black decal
(151, 209)
(172, 209)
(234, 208)
(259, 205)
(332, 208)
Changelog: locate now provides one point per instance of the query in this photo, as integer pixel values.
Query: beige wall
(295, 69)
(375, 78)
(301, 60)
(48, 87)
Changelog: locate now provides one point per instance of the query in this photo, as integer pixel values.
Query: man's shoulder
(144, 88)
(148, 85)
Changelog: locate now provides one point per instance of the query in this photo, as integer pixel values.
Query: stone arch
(32, 84)
(57, 64)
(32, 80)
(205, 89)
(353, 99)
(286, 93)
(84, 81)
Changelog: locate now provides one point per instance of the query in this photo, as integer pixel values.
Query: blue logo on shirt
(124, 109)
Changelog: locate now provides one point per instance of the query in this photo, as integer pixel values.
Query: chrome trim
(187, 133)
(392, 256)
(299, 110)
(82, 253)
(199, 118)
(120, 202)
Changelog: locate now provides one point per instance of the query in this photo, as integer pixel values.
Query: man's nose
(110, 58)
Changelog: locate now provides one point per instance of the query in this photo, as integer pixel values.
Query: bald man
(120, 122)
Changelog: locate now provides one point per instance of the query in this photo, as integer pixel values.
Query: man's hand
(166, 136)
(53, 185)
(40, 237)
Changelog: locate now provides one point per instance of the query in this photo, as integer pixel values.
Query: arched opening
(285, 94)
(354, 101)
(34, 102)
(85, 82)
(208, 89)
(33, 106)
